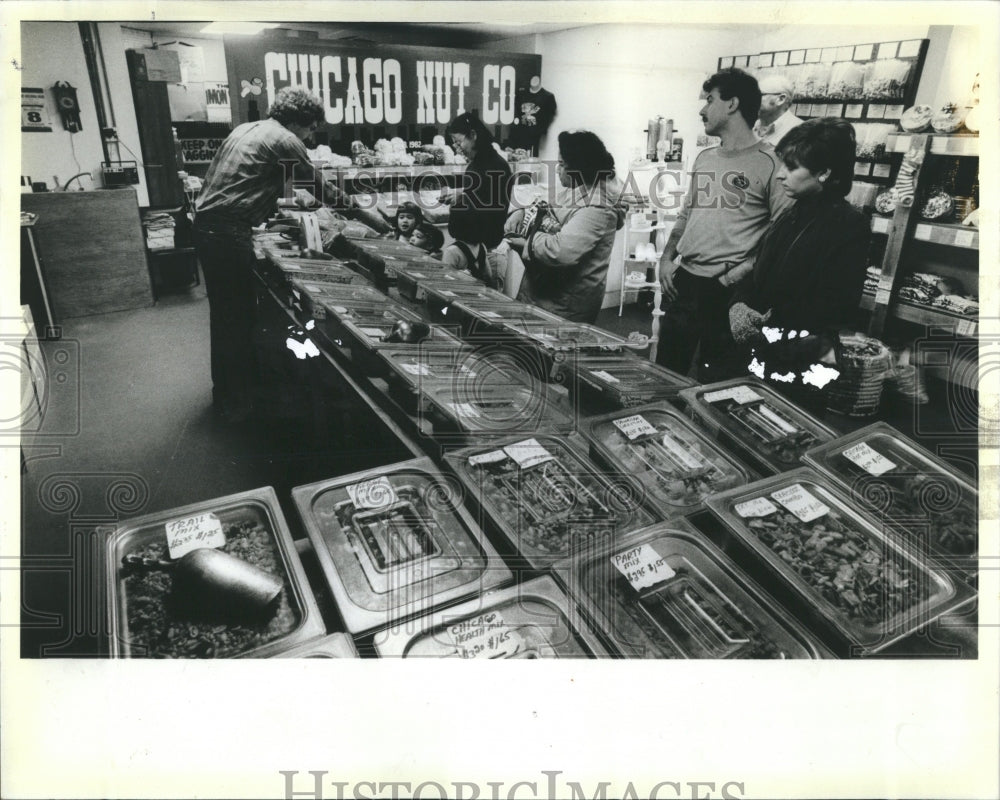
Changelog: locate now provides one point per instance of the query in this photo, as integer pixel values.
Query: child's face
(419, 239)
(405, 222)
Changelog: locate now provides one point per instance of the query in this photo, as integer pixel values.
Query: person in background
(810, 269)
(775, 118)
(480, 203)
(567, 248)
(245, 179)
(734, 194)
(408, 217)
(428, 238)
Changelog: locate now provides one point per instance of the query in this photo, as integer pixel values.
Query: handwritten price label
(802, 504)
(922, 232)
(643, 566)
(376, 493)
(635, 426)
(484, 636)
(739, 394)
(528, 453)
(190, 533)
(491, 457)
(605, 376)
(869, 459)
(758, 507)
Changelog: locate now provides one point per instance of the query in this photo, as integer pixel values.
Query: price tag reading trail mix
(643, 566)
(190, 533)
(605, 376)
(758, 507)
(635, 426)
(802, 504)
(376, 493)
(528, 453)
(739, 394)
(484, 636)
(869, 459)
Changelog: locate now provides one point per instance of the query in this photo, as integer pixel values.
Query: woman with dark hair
(567, 246)
(810, 266)
(480, 203)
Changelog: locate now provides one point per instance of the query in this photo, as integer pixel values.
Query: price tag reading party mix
(605, 376)
(190, 533)
(484, 636)
(758, 507)
(643, 566)
(528, 453)
(488, 458)
(376, 493)
(802, 504)
(740, 394)
(635, 426)
(869, 459)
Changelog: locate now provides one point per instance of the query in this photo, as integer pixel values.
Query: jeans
(226, 261)
(697, 320)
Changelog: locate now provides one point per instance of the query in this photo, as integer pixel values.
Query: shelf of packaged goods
(926, 315)
(952, 235)
(959, 144)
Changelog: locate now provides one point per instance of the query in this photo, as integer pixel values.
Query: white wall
(50, 52)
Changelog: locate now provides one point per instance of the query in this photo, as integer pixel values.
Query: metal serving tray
(623, 381)
(667, 592)
(531, 620)
(148, 620)
(392, 543)
(860, 582)
(546, 498)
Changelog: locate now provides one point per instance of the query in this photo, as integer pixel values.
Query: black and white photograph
(640, 339)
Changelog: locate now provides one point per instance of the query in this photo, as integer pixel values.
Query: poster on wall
(199, 150)
(34, 115)
(217, 102)
(377, 85)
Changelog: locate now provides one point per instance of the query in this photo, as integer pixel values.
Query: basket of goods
(863, 363)
(916, 119)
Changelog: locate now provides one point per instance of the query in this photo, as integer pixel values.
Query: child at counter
(428, 238)
(408, 217)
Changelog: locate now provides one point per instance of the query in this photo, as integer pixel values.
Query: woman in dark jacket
(479, 206)
(810, 266)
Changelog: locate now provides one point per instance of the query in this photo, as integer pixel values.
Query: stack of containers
(395, 542)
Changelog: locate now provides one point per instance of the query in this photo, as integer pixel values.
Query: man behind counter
(775, 118)
(244, 180)
(733, 196)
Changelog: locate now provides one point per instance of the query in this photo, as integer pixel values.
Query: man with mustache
(734, 194)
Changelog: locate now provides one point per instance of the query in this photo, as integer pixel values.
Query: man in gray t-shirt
(733, 197)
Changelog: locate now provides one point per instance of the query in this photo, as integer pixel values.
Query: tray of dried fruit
(859, 582)
(750, 419)
(335, 645)
(606, 383)
(393, 542)
(667, 592)
(533, 619)
(164, 602)
(677, 464)
(546, 498)
(932, 506)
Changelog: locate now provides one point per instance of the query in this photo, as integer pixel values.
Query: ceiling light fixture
(240, 28)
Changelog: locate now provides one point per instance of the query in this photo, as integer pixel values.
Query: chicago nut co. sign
(378, 84)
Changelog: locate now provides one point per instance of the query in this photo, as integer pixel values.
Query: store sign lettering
(199, 151)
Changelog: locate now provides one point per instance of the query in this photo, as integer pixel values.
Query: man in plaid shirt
(245, 179)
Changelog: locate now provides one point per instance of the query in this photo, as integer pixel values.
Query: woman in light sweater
(567, 248)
